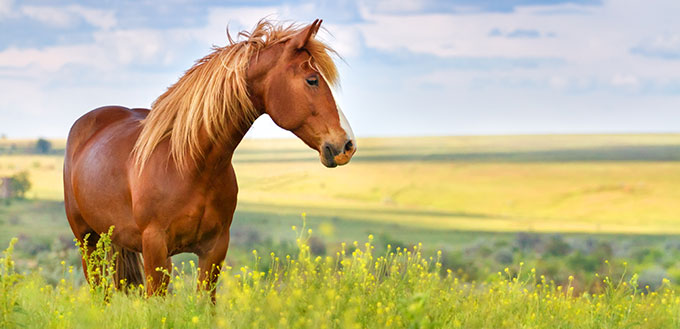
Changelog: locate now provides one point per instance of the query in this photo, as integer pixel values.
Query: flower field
(402, 288)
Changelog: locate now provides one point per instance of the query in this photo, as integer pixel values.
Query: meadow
(355, 288)
(577, 183)
(571, 209)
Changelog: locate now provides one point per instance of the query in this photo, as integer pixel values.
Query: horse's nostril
(328, 151)
(349, 146)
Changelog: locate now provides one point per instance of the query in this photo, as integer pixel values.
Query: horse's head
(296, 94)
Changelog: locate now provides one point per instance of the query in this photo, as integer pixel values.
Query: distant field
(23, 146)
(563, 183)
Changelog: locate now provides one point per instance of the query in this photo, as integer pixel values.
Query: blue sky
(422, 67)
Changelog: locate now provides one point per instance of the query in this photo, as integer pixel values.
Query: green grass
(355, 288)
(610, 198)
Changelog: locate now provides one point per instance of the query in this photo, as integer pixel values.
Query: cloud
(524, 33)
(339, 11)
(111, 50)
(70, 16)
(6, 8)
(496, 32)
(51, 16)
(50, 58)
(397, 7)
(598, 47)
(414, 7)
(118, 48)
(664, 46)
(516, 59)
(518, 33)
(625, 80)
(104, 19)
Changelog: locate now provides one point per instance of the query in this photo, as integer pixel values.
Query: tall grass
(355, 288)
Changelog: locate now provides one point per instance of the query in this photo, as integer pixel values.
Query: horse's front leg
(210, 264)
(155, 254)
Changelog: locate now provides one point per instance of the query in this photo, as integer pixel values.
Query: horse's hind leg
(88, 246)
(81, 230)
(78, 225)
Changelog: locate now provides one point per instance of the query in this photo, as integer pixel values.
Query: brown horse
(164, 178)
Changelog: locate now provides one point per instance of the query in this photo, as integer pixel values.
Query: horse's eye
(313, 81)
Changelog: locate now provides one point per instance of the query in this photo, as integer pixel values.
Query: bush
(556, 246)
(652, 277)
(43, 146)
(20, 184)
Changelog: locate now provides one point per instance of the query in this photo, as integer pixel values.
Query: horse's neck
(217, 153)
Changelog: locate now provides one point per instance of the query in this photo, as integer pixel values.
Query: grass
(611, 198)
(24, 146)
(577, 183)
(45, 174)
(355, 288)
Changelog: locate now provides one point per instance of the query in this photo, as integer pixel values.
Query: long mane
(213, 95)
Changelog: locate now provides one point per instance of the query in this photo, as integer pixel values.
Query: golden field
(565, 183)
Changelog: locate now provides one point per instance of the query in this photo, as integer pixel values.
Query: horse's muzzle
(333, 156)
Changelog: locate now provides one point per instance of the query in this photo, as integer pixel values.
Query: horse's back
(96, 166)
(94, 121)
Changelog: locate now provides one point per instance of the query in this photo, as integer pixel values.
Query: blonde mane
(213, 95)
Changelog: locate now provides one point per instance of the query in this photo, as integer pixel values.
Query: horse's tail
(129, 268)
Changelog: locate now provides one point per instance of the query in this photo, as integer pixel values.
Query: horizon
(293, 137)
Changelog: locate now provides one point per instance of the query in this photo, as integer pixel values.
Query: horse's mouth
(328, 156)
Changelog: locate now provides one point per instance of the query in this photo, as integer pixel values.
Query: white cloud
(51, 58)
(63, 17)
(111, 50)
(588, 48)
(558, 82)
(599, 32)
(6, 8)
(52, 16)
(130, 46)
(625, 80)
(397, 6)
(104, 19)
(666, 46)
(116, 48)
(593, 43)
(346, 40)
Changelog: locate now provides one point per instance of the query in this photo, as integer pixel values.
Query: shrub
(20, 184)
(43, 146)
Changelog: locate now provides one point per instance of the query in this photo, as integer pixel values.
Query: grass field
(571, 209)
(577, 183)
(356, 288)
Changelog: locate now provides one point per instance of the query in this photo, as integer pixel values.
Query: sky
(408, 68)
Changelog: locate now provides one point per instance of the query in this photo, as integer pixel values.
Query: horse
(164, 177)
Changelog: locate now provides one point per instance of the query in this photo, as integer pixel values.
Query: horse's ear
(300, 39)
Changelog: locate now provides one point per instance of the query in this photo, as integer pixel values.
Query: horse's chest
(194, 235)
(198, 232)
